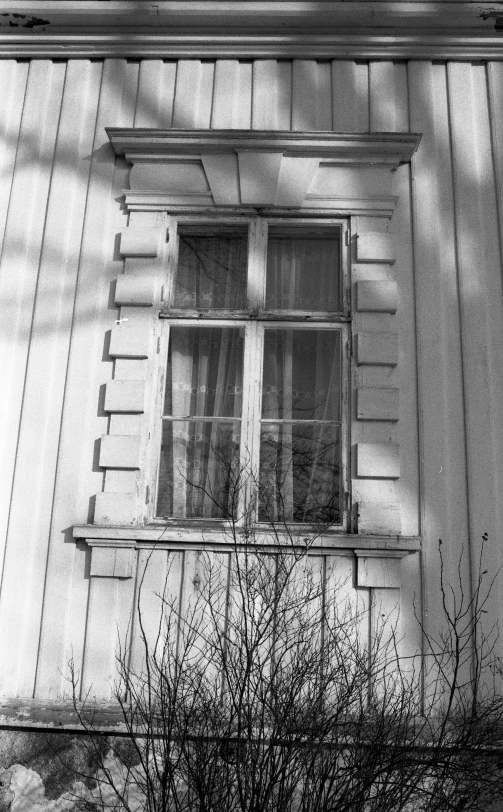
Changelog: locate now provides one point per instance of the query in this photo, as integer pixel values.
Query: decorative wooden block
(131, 336)
(125, 396)
(223, 178)
(375, 246)
(115, 508)
(380, 460)
(130, 369)
(382, 518)
(378, 349)
(258, 176)
(120, 451)
(112, 562)
(295, 178)
(378, 572)
(377, 403)
(377, 297)
(140, 242)
(134, 290)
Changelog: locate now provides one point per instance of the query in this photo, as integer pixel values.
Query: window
(253, 418)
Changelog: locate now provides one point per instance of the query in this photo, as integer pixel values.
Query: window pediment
(201, 168)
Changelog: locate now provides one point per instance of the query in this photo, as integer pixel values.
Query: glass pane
(204, 375)
(303, 271)
(300, 473)
(198, 471)
(302, 375)
(211, 271)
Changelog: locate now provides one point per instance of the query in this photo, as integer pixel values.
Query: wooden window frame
(254, 320)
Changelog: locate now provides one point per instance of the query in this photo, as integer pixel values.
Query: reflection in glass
(302, 374)
(300, 450)
(199, 469)
(303, 271)
(199, 454)
(300, 473)
(211, 271)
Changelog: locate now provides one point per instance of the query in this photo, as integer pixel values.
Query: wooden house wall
(60, 212)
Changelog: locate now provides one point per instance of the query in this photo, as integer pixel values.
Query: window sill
(204, 537)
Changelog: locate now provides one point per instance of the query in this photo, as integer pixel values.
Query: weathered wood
(111, 562)
(383, 572)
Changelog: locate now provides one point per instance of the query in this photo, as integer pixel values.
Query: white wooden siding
(59, 219)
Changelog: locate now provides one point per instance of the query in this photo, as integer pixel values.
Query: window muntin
(292, 443)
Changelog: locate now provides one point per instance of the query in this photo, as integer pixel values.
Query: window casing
(252, 415)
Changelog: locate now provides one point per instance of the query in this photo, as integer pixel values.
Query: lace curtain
(201, 428)
(300, 449)
(302, 272)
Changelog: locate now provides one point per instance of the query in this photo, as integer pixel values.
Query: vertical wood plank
(150, 102)
(88, 368)
(99, 667)
(440, 375)
(271, 95)
(193, 94)
(156, 91)
(50, 336)
(311, 95)
(232, 95)
(350, 96)
(13, 78)
(243, 97)
(159, 575)
(347, 608)
(481, 306)
(20, 267)
(394, 116)
(388, 95)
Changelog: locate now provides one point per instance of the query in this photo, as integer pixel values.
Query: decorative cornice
(350, 45)
(359, 149)
(176, 169)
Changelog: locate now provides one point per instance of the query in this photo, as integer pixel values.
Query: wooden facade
(61, 211)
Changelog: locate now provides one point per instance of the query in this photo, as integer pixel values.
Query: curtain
(303, 272)
(211, 272)
(201, 425)
(300, 456)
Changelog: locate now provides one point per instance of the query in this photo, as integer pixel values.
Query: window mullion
(250, 424)
(257, 264)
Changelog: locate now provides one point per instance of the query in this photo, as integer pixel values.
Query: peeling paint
(21, 20)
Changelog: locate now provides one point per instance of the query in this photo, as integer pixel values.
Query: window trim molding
(340, 321)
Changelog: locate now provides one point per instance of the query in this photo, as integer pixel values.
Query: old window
(253, 415)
